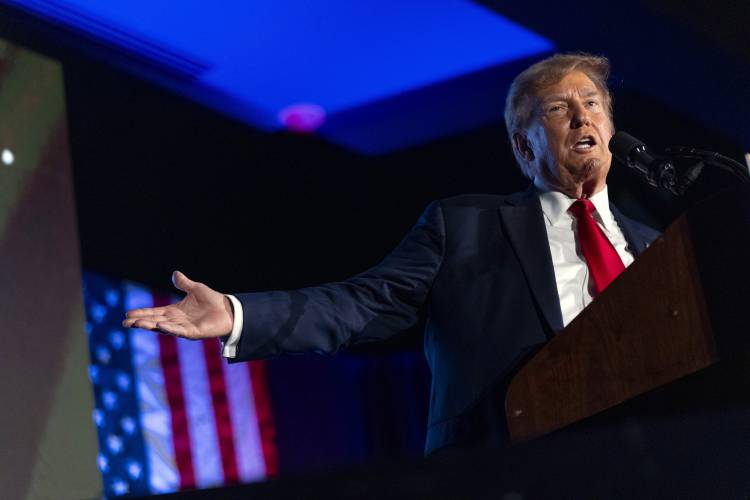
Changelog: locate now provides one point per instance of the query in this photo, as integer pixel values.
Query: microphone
(658, 171)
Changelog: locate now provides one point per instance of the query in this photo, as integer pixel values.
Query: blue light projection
(255, 59)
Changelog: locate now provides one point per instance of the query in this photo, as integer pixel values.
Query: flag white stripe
(204, 441)
(156, 421)
(247, 441)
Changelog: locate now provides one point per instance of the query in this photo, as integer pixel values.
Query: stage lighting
(8, 157)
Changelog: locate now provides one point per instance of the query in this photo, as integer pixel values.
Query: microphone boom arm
(711, 158)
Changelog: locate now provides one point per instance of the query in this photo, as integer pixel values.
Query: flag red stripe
(176, 399)
(224, 430)
(264, 414)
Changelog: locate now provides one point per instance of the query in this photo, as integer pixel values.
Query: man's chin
(593, 175)
(586, 171)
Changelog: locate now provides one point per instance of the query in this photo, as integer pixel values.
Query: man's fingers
(164, 325)
(154, 318)
(146, 324)
(130, 322)
(174, 328)
(182, 282)
(146, 311)
(148, 314)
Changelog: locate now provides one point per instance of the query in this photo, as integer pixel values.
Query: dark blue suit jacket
(479, 267)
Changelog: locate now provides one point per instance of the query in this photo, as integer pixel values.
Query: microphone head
(658, 172)
(622, 145)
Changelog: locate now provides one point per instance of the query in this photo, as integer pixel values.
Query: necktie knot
(582, 206)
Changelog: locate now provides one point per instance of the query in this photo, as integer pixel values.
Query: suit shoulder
(476, 201)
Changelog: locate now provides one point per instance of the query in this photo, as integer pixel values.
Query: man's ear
(523, 146)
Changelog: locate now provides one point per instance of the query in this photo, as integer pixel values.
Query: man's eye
(555, 108)
(591, 104)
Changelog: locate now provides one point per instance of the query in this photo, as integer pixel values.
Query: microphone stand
(705, 158)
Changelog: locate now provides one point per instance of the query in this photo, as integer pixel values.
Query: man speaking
(495, 276)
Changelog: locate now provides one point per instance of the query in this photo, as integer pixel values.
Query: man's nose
(580, 116)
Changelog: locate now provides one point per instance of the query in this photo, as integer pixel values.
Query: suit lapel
(637, 241)
(523, 223)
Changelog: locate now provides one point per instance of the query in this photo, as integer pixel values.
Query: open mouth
(585, 143)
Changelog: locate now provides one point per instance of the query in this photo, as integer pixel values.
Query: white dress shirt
(574, 288)
(229, 350)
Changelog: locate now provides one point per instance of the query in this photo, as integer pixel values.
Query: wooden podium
(682, 306)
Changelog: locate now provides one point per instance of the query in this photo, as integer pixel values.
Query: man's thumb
(182, 282)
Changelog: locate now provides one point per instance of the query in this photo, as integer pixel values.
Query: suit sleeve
(374, 305)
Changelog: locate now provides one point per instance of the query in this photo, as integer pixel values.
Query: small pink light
(303, 117)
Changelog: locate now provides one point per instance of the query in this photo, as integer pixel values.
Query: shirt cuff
(229, 349)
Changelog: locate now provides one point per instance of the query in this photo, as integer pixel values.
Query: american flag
(171, 414)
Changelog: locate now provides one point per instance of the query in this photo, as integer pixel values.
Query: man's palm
(202, 313)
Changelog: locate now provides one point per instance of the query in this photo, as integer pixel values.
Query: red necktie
(601, 257)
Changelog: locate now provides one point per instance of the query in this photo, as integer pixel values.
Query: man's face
(568, 137)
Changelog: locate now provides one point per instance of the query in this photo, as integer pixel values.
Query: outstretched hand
(202, 313)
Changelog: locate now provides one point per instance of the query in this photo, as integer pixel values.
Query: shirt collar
(555, 204)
